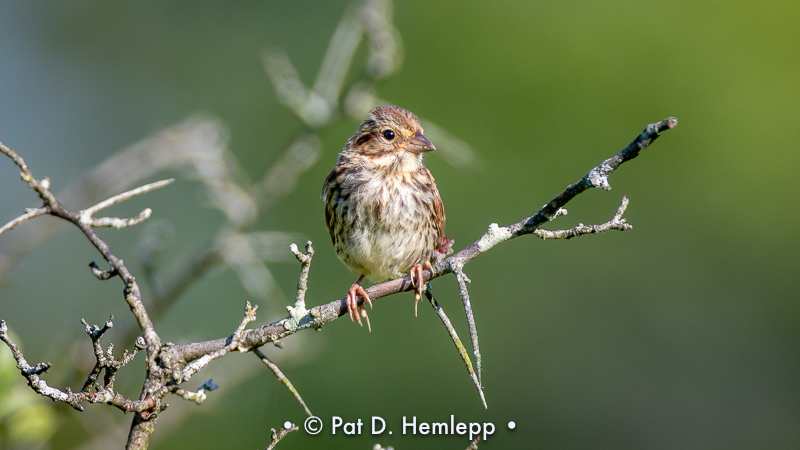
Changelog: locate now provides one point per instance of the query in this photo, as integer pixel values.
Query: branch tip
(86, 218)
(283, 379)
(102, 274)
(288, 427)
(459, 346)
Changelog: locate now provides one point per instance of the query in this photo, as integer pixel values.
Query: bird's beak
(418, 144)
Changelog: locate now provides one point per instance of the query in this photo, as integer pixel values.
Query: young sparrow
(382, 207)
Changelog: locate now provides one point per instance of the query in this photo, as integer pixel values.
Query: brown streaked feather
(438, 206)
(329, 189)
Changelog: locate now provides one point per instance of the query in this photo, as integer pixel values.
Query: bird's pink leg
(416, 271)
(352, 302)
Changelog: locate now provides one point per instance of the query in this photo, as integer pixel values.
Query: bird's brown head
(390, 129)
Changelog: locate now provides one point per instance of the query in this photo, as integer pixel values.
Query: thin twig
(288, 427)
(302, 283)
(119, 198)
(459, 346)
(40, 187)
(143, 423)
(101, 274)
(462, 280)
(30, 213)
(118, 222)
(85, 215)
(198, 396)
(233, 344)
(100, 394)
(616, 223)
(275, 370)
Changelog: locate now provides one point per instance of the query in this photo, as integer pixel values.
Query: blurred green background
(682, 333)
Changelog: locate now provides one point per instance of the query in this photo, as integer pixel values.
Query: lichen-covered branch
(326, 313)
(132, 295)
(234, 343)
(92, 391)
(597, 177)
(616, 223)
(84, 222)
(31, 373)
(302, 283)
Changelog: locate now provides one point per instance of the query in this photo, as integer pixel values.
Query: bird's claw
(356, 311)
(419, 285)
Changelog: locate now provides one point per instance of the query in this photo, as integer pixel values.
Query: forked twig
(462, 280)
(459, 346)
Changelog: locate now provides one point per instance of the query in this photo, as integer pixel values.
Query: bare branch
(462, 280)
(142, 427)
(322, 314)
(101, 274)
(91, 392)
(40, 187)
(105, 360)
(30, 213)
(119, 198)
(31, 373)
(597, 177)
(198, 396)
(18, 160)
(288, 384)
(302, 284)
(175, 149)
(616, 223)
(85, 215)
(116, 222)
(83, 221)
(234, 343)
(459, 346)
(288, 427)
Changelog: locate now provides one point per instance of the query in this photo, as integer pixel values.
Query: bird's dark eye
(388, 134)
